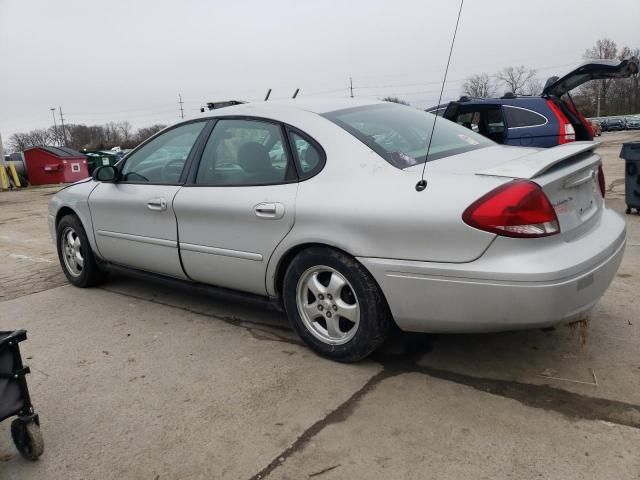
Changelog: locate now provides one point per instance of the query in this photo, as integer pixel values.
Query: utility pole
(598, 107)
(351, 86)
(64, 133)
(181, 102)
(55, 125)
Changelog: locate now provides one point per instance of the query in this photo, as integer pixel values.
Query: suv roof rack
(508, 95)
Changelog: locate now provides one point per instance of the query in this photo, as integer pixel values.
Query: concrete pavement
(139, 381)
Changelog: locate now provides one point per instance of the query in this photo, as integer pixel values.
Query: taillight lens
(516, 209)
(601, 182)
(566, 133)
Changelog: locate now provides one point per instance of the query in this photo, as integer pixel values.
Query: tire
(27, 438)
(86, 274)
(320, 286)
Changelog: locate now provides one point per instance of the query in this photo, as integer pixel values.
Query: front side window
(162, 159)
(243, 152)
(400, 134)
(520, 117)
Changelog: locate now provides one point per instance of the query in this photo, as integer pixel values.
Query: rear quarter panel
(361, 204)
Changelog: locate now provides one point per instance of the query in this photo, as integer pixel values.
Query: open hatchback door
(591, 70)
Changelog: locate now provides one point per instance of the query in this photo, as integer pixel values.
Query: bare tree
(19, 142)
(605, 48)
(479, 86)
(83, 137)
(126, 130)
(533, 86)
(515, 78)
(395, 100)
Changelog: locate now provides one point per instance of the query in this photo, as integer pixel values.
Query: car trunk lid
(568, 175)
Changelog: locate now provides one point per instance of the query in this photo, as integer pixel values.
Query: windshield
(400, 134)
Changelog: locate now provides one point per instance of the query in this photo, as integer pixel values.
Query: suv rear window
(520, 117)
(400, 134)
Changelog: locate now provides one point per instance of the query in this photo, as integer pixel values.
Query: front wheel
(335, 305)
(75, 254)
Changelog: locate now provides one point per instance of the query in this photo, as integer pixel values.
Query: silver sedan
(313, 207)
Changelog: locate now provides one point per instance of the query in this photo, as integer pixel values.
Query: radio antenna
(422, 183)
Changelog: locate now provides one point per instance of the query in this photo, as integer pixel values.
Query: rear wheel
(334, 304)
(75, 254)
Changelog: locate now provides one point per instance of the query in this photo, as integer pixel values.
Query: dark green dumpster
(99, 158)
(631, 154)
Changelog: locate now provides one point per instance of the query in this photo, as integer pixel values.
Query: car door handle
(158, 204)
(269, 210)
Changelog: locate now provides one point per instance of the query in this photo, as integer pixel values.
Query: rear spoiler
(538, 162)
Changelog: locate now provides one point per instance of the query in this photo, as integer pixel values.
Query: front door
(133, 219)
(239, 206)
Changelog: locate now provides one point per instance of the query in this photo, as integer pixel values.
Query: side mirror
(106, 174)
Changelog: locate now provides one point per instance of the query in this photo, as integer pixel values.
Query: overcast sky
(129, 60)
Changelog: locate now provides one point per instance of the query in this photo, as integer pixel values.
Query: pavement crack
(258, 330)
(546, 397)
(340, 414)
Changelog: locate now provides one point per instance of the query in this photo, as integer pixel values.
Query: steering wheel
(172, 169)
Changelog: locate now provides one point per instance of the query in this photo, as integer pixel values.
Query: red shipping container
(50, 165)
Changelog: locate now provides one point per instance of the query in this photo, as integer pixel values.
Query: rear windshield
(400, 134)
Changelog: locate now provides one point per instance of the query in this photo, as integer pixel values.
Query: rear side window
(309, 158)
(400, 134)
(520, 117)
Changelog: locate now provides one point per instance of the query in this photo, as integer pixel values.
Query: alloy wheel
(72, 252)
(328, 305)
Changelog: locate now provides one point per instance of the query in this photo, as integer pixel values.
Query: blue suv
(536, 121)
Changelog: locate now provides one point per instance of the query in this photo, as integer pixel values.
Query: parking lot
(137, 380)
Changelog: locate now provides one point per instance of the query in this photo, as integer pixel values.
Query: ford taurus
(313, 206)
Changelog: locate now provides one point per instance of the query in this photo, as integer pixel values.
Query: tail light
(516, 209)
(601, 182)
(566, 133)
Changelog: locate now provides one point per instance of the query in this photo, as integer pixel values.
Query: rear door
(238, 205)
(133, 219)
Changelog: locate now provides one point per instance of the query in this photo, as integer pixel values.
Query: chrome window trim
(546, 120)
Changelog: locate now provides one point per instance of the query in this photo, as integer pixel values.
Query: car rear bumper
(516, 284)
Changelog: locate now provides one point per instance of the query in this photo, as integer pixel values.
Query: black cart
(631, 154)
(15, 399)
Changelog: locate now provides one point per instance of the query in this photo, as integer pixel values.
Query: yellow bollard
(14, 174)
(4, 178)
